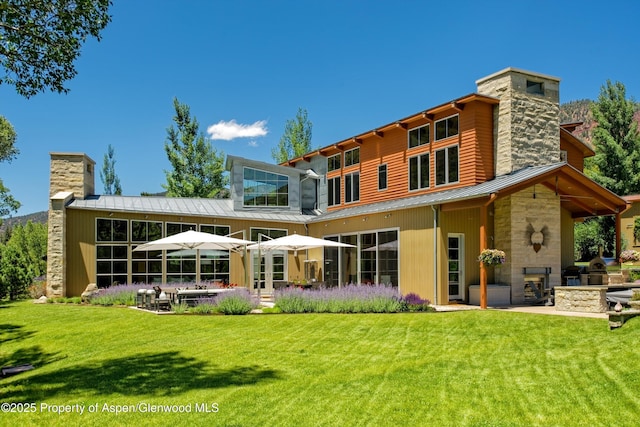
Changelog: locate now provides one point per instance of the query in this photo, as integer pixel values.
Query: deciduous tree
(22, 259)
(296, 139)
(41, 39)
(198, 169)
(8, 152)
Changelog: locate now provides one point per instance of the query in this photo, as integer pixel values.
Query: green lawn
(479, 368)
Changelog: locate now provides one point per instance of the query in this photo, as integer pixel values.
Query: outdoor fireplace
(596, 272)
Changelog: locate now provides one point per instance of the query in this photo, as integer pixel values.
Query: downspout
(435, 254)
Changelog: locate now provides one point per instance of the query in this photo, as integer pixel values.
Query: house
(418, 197)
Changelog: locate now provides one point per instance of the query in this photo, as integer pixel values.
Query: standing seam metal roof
(223, 208)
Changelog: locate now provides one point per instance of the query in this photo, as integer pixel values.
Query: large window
(334, 191)
(419, 136)
(419, 172)
(111, 259)
(265, 189)
(111, 265)
(373, 259)
(352, 157)
(352, 187)
(146, 266)
(447, 127)
(447, 165)
(333, 162)
(111, 230)
(382, 177)
(145, 231)
(181, 265)
(214, 264)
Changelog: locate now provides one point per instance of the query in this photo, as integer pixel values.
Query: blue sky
(246, 66)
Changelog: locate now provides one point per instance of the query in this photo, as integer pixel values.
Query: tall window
(352, 187)
(112, 258)
(181, 265)
(265, 189)
(333, 162)
(214, 264)
(419, 172)
(352, 157)
(334, 191)
(419, 136)
(447, 127)
(382, 177)
(447, 165)
(146, 266)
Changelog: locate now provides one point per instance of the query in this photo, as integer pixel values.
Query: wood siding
(81, 244)
(476, 156)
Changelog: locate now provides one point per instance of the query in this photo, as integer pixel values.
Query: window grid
(333, 162)
(446, 127)
(351, 157)
(419, 136)
(352, 187)
(419, 172)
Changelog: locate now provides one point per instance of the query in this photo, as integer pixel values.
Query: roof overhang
(578, 194)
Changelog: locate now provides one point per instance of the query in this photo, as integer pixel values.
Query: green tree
(40, 40)
(8, 152)
(616, 164)
(22, 259)
(108, 175)
(296, 139)
(198, 169)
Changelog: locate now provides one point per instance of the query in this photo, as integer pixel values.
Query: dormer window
(265, 189)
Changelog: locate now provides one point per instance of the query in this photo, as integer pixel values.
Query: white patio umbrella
(194, 240)
(296, 242)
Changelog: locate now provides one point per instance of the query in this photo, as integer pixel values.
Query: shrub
(239, 301)
(179, 308)
(347, 299)
(413, 302)
(117, 295)
(204, 306)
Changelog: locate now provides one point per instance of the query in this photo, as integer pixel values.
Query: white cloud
(253, 143)
(232, 130)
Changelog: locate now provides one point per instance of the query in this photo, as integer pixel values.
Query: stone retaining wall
(585, 299)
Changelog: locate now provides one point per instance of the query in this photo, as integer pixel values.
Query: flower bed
(348, 299)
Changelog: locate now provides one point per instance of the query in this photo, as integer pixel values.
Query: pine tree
(616, 165)
(198, 169)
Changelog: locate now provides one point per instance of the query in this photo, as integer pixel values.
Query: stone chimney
(71, 176)
(526, 123)
(72, 172)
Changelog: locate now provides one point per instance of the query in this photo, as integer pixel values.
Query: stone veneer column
(56, 245)
(526, 125)
(515, 216)
(70, 175)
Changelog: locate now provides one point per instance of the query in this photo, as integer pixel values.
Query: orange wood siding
(476, 158)
(575, 157)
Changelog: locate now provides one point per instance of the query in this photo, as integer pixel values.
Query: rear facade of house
(418, 197)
